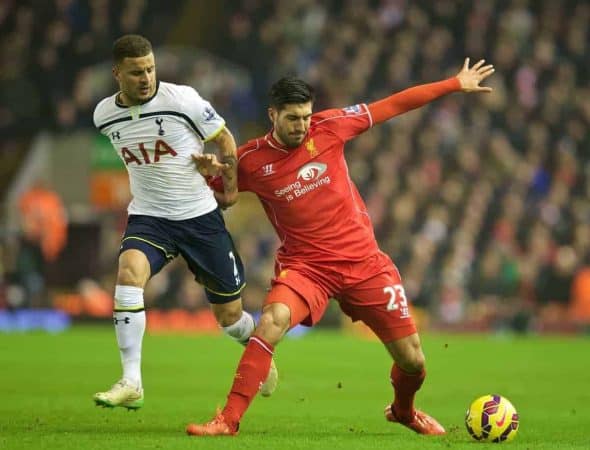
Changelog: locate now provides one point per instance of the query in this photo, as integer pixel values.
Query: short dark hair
(289, 90)
(130, 46)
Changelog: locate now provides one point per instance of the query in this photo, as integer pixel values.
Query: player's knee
(129, 276)
(227, 314)
(412, 361)
(273, 325)
(134, 269)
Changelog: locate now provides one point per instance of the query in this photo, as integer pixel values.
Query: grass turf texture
(331, 394)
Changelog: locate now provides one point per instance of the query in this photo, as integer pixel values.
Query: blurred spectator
(43, 236)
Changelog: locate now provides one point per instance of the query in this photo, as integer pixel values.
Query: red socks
(405, 386)
(251, 373)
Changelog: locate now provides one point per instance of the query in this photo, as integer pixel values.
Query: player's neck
(277, 139)
(124, 100)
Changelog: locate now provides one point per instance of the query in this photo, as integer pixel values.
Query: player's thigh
(146, 247)
(380, 302)
(307, 289)
(211, 256)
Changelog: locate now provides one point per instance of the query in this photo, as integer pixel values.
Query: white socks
(242, 329)
(129, 318)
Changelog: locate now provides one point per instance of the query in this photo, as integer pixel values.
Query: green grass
(331, 394)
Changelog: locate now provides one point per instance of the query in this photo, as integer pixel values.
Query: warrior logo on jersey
(311, 171)
(159, 122)
(267, 170)
(354, 109)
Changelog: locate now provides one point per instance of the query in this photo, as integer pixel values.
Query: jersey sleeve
(98, 115)
(243, 171)
(206, 120)
(345, 122)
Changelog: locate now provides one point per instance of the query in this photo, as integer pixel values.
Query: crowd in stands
(48, 47)
(482, 201)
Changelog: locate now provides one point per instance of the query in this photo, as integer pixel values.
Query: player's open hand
(471, 77)
(208, 165)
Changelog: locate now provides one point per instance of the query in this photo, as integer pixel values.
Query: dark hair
(130, 46)
(289, 90)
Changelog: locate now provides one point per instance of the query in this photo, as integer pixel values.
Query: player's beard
(145, 95)
(290, 141)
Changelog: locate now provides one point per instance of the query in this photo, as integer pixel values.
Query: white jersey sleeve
(203, 115)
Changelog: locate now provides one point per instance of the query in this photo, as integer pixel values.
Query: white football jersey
(155, 140)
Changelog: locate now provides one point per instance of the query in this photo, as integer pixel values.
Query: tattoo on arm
(227, 151)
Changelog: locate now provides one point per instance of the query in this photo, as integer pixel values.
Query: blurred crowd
(482, 201)
(48, 47)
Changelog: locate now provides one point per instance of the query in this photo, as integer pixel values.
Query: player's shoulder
(105, 110)
(183, 98)
(247, 150)
(334, 114)
(173, 89)
(173, 95)
(255, 153)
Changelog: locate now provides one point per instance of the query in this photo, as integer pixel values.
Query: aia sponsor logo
(147, 156)
(311, 171)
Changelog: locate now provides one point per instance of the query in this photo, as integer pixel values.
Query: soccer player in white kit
(156, 127)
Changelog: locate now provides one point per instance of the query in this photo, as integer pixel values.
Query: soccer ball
(492, 418)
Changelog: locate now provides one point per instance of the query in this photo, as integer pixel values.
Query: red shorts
(369, 290)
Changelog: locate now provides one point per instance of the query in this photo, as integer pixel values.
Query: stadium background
(482, 201)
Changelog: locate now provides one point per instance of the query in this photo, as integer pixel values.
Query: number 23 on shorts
(397, 300)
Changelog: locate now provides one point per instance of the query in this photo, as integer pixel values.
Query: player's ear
(115, 71)
(272, 114)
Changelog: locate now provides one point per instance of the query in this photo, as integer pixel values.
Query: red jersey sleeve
(216, 182)
(345, 122)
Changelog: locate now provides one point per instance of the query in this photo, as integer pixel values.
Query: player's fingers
(478, 64)
(466, 64)
(487, 73)
(485, 68)
(484, 89)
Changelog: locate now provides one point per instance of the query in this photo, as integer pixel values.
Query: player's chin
(296, 141)
(144, 94)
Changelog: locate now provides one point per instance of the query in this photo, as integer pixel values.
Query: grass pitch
(331, 394)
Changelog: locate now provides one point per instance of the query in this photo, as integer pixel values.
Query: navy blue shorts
(203, 242)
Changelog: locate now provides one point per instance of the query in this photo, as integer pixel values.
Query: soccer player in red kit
(328, 248)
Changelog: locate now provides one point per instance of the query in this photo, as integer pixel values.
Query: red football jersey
(307, 192)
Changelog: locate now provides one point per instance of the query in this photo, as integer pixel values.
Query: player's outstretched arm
(467, 80)
(209, 166)
(226, 145)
